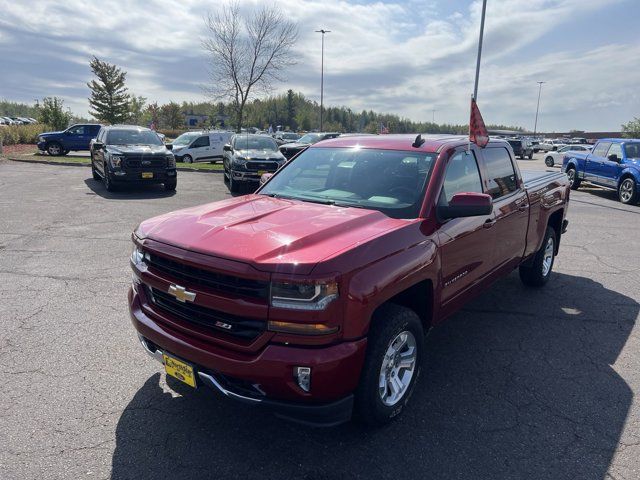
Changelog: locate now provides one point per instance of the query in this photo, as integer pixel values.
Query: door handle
(489, 222)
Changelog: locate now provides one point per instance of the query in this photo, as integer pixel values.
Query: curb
(70, 164)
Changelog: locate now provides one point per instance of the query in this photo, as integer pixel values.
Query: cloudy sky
(406, 57)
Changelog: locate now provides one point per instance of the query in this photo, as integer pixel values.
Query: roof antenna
(418, 142)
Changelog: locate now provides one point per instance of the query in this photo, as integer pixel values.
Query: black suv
(521, 147)
(126, 154)
(291, 149)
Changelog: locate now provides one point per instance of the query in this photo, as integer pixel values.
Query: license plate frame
(179, 369)
(147, 174)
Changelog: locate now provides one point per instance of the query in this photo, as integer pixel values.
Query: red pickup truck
(313, 296)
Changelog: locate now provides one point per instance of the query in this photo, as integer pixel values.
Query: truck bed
(534, 178)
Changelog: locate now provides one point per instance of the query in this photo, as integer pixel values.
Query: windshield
(254, 143)
(133, 137)
(391, 182)
(515, 143)
(632, 150)
(309, 138)
(290, 136)
(186, 138)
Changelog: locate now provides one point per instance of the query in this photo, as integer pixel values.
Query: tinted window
(616, 149)
(632, 150)
(462, 176)
(77, 130)
(201, 142)
(93, 129)
(501, 177)
(389, 181)
(601, 149)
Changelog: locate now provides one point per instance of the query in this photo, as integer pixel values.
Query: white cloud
(405, 58)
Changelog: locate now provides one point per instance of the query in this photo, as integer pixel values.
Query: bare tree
(247, 53)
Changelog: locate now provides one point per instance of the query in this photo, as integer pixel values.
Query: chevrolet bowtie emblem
(181, 293)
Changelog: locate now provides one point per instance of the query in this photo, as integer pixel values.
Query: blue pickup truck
(614, 163)
(76, 137)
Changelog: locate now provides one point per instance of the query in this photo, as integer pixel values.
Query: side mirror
(98, 145)
(227, 148)
(265, 178)
(169, 146)
(613, 157)
(468, 204)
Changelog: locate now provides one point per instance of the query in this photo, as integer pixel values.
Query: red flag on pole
(477, 131)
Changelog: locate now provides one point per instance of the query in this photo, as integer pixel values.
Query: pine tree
(109, 98)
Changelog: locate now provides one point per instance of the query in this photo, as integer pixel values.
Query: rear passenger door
(201, 148)
(593, 169)
(465, 243)
(510, 206)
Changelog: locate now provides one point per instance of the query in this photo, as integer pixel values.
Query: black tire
(522, 156)
(549, 162)
(94, 173)
(234, 186)
(530, 157)
(54, 149)
(628, 191)
(389, 321)
(187, 159)
(106, 180)
(65, 152)
(574, 181)
(537, 272)
(170, 185)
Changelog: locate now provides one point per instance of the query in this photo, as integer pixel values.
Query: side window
(77, 130)
(201, 142)
(501, 177)
(100, 137)
(616, 149)
(462, 176)
(94, 130)
(601, 149)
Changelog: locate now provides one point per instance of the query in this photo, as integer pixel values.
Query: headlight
(239, 160)
(116, 160)
(137, 255)
(303, 296)
(171, 161)
(40, 139)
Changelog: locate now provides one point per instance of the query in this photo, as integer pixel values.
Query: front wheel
(549, 161)
(530, 157)
(395, 347)
(106, 179)
(537, 273)
(94, 172)
(54, 149)
(234, 186)
(187, 159)
(170, 185)
(574, 181)
(627, 191)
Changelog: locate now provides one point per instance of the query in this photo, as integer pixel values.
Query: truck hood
(255, 154)
(137, 149)
(51, 134)
(276, 235)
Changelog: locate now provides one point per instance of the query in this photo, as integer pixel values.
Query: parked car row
(5, 121)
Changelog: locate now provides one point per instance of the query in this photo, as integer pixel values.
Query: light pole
(535, 125)
(322, 31)
(475, 85)
(433, 115)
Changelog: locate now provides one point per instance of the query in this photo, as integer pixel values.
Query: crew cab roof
(432, 144)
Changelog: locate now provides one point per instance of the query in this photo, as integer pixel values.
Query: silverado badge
(181, 293)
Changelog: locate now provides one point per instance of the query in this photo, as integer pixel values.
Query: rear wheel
(395, 346)
(537, 273)
(549, 161)
(627, 191)
(574, 181)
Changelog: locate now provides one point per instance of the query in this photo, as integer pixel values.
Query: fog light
(303, 377)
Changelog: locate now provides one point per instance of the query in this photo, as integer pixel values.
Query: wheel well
(624, 177)
(418, 298)
(555, 222)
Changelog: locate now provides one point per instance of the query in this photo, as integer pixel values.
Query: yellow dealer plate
(261, 172)
(147, 174)
(179, 369)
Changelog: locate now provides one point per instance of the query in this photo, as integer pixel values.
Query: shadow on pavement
(518, 385)
(128, 192)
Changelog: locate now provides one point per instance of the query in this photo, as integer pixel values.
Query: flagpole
(475, 87)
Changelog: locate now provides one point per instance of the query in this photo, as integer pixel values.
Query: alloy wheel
(398, 368)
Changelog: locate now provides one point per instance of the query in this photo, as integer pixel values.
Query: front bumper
(264, 378)
(135, 176)
(247, 176)
(42, 146)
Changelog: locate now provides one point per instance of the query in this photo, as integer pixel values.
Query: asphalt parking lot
(522, 384)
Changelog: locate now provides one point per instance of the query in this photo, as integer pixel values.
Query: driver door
(465, 243)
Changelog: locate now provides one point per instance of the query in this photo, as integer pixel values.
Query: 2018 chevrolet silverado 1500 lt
(614, 163)
(313, 295)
